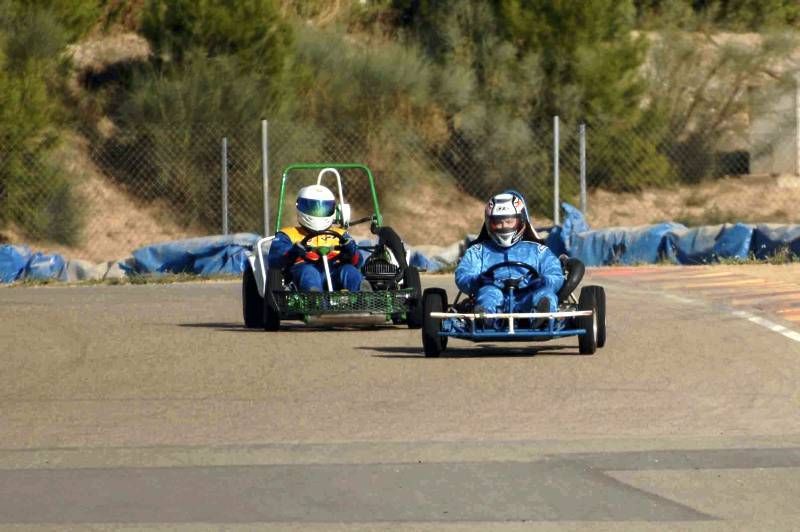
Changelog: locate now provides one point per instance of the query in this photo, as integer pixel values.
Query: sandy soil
(436, 216)
(116, 222)
(749, 199)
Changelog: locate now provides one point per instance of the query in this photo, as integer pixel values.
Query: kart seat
(573, 274)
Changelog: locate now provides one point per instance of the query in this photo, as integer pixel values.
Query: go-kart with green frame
(392, 291)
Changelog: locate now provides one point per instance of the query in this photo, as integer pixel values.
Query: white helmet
(501, 207)
(316, 207)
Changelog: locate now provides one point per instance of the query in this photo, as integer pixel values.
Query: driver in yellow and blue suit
(507, 235)
(316, 207)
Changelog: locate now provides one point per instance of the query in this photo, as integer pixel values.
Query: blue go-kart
(584, 317)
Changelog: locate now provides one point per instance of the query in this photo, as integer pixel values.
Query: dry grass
(117, 223)
(169, 278)
(750, 199)
(97, 54)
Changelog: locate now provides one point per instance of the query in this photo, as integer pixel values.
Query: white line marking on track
(774, 327)
(681, 299)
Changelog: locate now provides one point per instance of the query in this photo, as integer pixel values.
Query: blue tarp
(42, 267)
(669, 241)
(13, 260)
(621, 245)
(204, 256)
(561, 238)
(701, 245)
(420, 261)
(17, 263)
(769, 239)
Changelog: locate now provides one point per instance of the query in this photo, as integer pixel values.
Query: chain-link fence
(102, 192)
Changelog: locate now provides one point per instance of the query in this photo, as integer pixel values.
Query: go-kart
(391, 293)
(584, 317)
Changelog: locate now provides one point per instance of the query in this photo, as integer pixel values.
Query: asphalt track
(151, 407)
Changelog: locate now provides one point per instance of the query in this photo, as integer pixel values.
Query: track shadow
(294, 328)
(477, 351)
(221, 326)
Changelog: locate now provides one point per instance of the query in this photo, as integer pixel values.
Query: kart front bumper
(384, 302)
(504, 326)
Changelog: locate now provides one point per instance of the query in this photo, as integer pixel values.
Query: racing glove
(297, 250)
(484, 279)
(347, 252)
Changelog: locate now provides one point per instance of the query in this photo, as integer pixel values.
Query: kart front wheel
(600, 299)
(252, 303)
(433, 300)
(272, 316)
(411, 280)
(587, 342)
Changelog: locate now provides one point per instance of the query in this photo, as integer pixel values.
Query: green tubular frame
(317, 303)
(321, 166)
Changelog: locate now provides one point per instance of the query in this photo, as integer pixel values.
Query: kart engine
(382, 270)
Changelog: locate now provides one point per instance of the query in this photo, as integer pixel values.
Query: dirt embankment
(749, 199)
(118, 223)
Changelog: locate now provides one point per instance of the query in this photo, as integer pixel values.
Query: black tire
(600, 299)
(272, 316)
(575, 270)
(414, 315)
(587, 343)
(389, 238)
(252, 302)
(433, 300)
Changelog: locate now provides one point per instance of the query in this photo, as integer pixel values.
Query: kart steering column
(327, 273)
(511, 287)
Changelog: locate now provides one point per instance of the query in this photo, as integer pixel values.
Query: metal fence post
(265, 174)
(582, 138)
(556, 211)
(224, 185)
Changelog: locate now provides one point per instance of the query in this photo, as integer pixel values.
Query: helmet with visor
(316, 207)
(505, 219)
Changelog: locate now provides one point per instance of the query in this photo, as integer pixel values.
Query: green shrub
(34, 194)
(250, 30)
(172, 127)
(44, 204)
(75, 17)
(219, 66)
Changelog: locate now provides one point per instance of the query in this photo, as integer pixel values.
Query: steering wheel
(323, 250)
(513, 282)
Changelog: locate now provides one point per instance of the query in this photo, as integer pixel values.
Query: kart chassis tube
(327, 273)
(511, 316)
(262, 269)
(524, 334)
(328, 167)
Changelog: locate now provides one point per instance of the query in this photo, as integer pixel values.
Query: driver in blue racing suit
(316, 208)
(507, 235)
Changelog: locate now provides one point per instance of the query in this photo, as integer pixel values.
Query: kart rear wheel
(587, 342)
(252, 302)
(272, 316)
(389, 238)
(411, 280)
(433, 300)
(600, 299)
